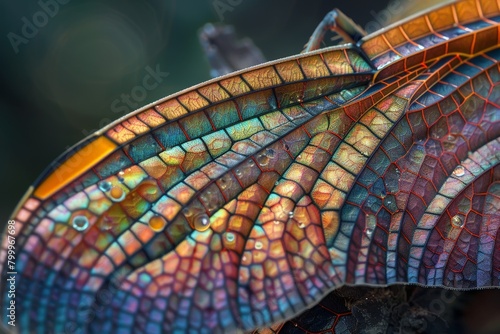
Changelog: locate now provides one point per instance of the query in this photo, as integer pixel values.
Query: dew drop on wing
(117, 194)
(201, 222)
(105, 186)
(459, 171)
(187, 212)
(457, 221)
(230, 236)
(157, 223)
(80, 223)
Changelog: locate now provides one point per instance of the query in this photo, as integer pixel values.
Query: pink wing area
(243, 201)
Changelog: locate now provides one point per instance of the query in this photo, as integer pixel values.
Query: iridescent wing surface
(244, 200)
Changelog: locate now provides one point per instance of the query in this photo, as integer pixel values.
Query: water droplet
(117, 194)
(299, 157)
(104, 186)
(276, 183)
(187, 212)
(299, 100)
(244, 258)
(157, 223)
(290, 214)
(201, 222)
(286, 147)
(238, 172)
(258, 245)
(263, 160)
(457, 221)
(80, 223)
(251, 163)
(371, 224)
(302, 225)
(230, 236)
(120, 176)
(277, 222)
(459, 171)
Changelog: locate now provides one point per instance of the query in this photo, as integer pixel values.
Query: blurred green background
(60, 84)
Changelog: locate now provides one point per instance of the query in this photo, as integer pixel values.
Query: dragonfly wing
(425, 208)
(129, 204)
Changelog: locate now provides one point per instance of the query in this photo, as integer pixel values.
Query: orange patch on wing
(82, 160)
